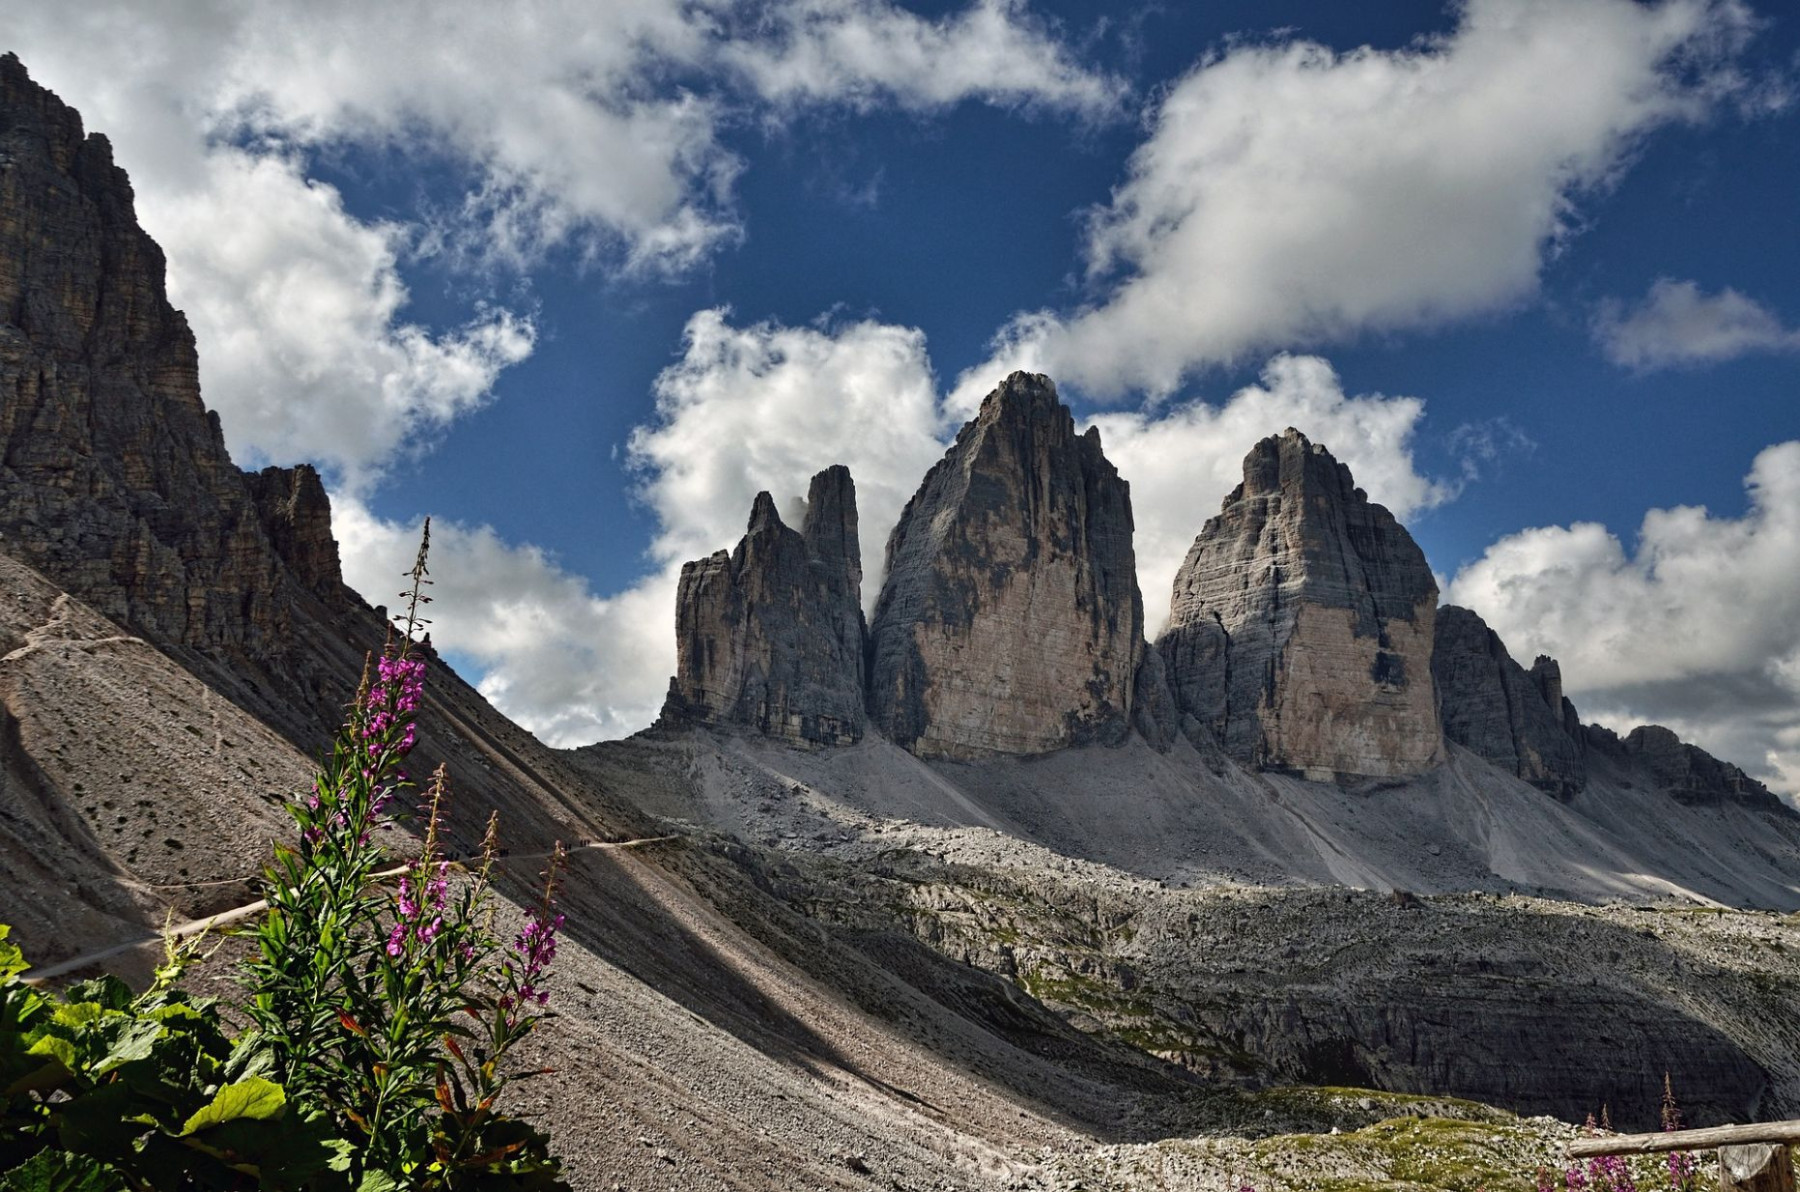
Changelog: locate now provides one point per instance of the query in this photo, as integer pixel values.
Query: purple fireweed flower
(1575, 1179)
(429, 931)
(409, 906)
(437, 889)
(396, 940)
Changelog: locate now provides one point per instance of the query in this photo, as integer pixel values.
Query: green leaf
(75, 1014)
(108, 990)
(59, 1171)
(98, 1122)
(54, 1047)
(378, 1181)
(254, 1099)
(12, 961)
(135, 1042)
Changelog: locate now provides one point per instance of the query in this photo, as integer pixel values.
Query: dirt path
(193, 927)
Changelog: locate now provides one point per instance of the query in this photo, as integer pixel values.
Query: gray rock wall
(1493, 706)
(1010, 620)
(1301, 624)
(770, 636)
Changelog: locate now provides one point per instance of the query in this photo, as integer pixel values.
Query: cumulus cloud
(593, 130)
(298, 313)
(766, 407)
(1677, 323)
(1697, 628)
(1183, 460)
(862, 54)
(570, 666)
(1288, 194)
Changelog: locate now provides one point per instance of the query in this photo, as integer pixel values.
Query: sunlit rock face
(1010, 620)
(770, 635)
(1300, 630)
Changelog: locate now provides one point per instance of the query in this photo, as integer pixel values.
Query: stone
(1010, 620)
(1491, 705)
(770, 636)
(1301, 625)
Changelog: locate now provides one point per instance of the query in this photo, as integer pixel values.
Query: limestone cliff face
(771, 635)
(1493, 706)
(114, 478)
(1687, 773)
(1010, 620)
(1301, 626)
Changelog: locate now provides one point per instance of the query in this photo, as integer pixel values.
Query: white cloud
(766, 407)
(579, 128)
(1182, 461)
(866, 54)
(1698, 628)
(570, 666)
(1291, 195)
(1677, 324)
(298, 311)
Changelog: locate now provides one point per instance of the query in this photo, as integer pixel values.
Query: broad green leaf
(108, 990)
(98, 1122)
(77, 1013)
(378, 1181)
(54, 1047)
(135, 1042)
(255, 1099)
(59, 1171)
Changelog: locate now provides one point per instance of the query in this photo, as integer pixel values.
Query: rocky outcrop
(1493, 706)
(1687, 773)
(1301, 627)
(771, 635)
(114, 478)
(1010, 620)
(296, 515)
(116, 486)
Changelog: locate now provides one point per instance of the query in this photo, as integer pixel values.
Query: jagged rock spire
(1010, 620)
(770, 636)
(1300, 629)
(1514, 718)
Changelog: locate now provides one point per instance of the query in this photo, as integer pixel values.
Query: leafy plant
(384, 1010)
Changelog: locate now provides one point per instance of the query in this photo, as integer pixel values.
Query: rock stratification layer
(1300, 631)
(1512, 717)
(115, 478)
(1010, 620)
(771, 635)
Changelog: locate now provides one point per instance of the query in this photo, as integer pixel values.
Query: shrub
(384, 1011)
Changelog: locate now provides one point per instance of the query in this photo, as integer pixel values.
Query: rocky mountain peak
(1300, 629)
(116, 481)
(1010, 620)
(830, 524)
(770, 636)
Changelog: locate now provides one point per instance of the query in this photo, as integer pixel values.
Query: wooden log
(1684, 1140)
(1758, 1167)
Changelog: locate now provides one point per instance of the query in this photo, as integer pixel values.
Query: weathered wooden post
(1756, 1167)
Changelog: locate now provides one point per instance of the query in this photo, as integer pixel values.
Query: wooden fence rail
(1752, 1158)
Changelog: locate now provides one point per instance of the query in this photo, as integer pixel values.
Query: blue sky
(578, 282)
